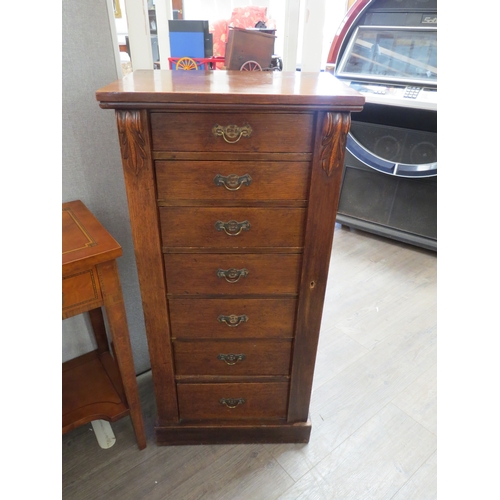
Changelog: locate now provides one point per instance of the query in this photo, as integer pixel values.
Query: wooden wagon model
(247, 49)
(251, 50)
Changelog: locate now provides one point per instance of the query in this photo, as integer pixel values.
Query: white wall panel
(139, 37)
(114, 37)
(312, 42)
(291, 35)
(91, 161)
(163, 14)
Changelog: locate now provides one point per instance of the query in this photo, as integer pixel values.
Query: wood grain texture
(133, 127)
(333, 141)
(99, 327)
(269, 180)
(230, 89)
(381, 373)
(87, 466)
(100, 384)
(263, 318)
(228, 156)
(234, 476)
(404, 289)
(339, 475)
(261, 357)
(263, 227)
(388, 370)
(122, 349)
(81, 291)
(419, 400)
(271, 132)
(85, 242)
(323, 203)
(91, 390)
(134, 475)
(197, 274)
(232, 247)
(336, 351)
(423, 484)
(256, 401)
(244, 45)
(350, 398)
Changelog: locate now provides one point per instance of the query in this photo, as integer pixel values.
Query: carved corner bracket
(333, 141)
(133, 142)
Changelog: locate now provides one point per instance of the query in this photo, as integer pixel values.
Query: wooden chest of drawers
(233, 181)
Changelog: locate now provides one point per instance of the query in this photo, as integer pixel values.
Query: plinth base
(188, 434)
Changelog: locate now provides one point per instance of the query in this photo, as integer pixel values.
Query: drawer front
(232, 180)
(80, 290)
(243, 132)
(233, 401)
(232, 274)
(228, 227)
(231, 358)
(232, 318)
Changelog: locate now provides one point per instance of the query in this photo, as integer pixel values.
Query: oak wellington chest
(233, 182)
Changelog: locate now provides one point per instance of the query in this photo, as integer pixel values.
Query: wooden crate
(248, 45)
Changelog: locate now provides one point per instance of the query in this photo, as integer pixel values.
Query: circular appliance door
(394, 150)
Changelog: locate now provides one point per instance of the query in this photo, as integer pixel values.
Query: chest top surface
(319, 90)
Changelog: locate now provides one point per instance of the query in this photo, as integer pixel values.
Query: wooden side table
(99, 384)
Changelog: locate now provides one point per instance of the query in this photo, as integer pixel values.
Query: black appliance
(387, 50)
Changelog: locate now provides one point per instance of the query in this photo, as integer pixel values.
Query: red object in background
(219, 32)
(248, 17)
(351, 16)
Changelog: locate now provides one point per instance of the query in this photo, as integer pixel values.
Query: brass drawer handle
(232, 182)
(231, 359)
(232, 275)
(232, 320)
(232, 133)
(232, 227)
(231, 402)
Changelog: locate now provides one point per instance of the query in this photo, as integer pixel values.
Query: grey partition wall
(91, 164)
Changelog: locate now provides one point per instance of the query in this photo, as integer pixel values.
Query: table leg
(117, 322)
(97, 322)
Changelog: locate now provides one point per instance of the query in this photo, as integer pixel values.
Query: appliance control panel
(411, 96)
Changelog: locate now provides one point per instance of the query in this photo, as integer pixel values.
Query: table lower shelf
(91, 390)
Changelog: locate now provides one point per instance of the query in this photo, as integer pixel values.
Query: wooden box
(247, 45)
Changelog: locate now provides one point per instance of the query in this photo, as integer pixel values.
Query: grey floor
(373, 407)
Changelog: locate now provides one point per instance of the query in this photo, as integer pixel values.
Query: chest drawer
(232, 180)
(232, 318)
(80, 289)
(231, 358)
(232, 274)
(244, 132)
(228, 227)
(233, 401)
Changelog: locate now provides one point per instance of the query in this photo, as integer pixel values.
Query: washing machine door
(393, 150)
